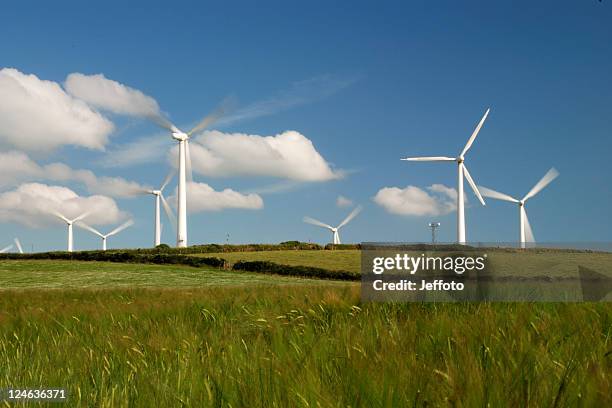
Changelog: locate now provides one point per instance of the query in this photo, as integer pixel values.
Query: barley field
(119, 335)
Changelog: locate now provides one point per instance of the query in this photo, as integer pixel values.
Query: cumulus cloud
(440, 200)
(37, 115)
(106, 94)
(16, 167)
(32, 204)
(289, 155)
(202, 197)
(342, 201)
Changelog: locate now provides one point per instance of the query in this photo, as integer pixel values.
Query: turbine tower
(184, 167)
(159, 201)
(525, 232)
(334, 230)
(117, 230)
(69, 223)
(462, 172)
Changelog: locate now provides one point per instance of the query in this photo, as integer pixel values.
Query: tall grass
(301, 346)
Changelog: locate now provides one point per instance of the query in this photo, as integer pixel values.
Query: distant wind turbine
(334, 230)
(462, 172)
(6, 249)
(184, 165)
(525, 231)
(69, 223)
(160, 200)
(117, 230)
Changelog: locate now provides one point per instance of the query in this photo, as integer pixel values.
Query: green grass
(24, 274)
(520, 263)
(164, 335)
(301, 346)
(348, 260)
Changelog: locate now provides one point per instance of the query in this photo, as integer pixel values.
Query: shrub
(288, 270)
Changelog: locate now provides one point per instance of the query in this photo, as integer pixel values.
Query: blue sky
(406, 79)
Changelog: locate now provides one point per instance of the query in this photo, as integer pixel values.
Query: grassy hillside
(349, 260)
(301, 346)
(20, 274)
(515, 263)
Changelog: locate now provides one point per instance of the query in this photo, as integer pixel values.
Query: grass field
(528, 263)
(25, 274)
(348, 260)
(150, 335)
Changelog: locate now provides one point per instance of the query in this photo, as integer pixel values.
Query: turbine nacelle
(179, 136)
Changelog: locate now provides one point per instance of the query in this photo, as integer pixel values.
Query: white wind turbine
(117, 230)
(184, 166)
(462, 172)
(525, 232)
(159, 201)
(69, 223)
(334, 230)
(8, 248)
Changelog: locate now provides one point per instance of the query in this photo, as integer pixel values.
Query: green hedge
(123, 257)
(288, 270)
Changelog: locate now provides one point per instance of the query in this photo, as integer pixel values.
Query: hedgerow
(288, 270)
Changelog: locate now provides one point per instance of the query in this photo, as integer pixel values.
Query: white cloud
(342, 201)
(202, 197)
(417, 202)
(37, 115)
(32, 204)
(111, 95)
(289, 155)
(16, 167)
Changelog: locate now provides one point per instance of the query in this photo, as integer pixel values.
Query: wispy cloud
(299, 93)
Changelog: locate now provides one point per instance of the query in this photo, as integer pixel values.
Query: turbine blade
(123, 226)
(4, 250)
(60, 216)
(167, 180)
(528, 231)
(168, 211)
(430, 159)
(473, 137)
(19, 247)
(487, 192)
(82, 216)
(544, 181)
(89, 228)
(352, 215)
(472, 184)
(212, 117)
(161, 121)
(318, 223)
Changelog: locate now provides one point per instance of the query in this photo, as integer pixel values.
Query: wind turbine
(69, 223)
(525, 232)
(462, 172)
(160, 200)
(117, 230)
(6, 249)
(334, 230)
(184, 166)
